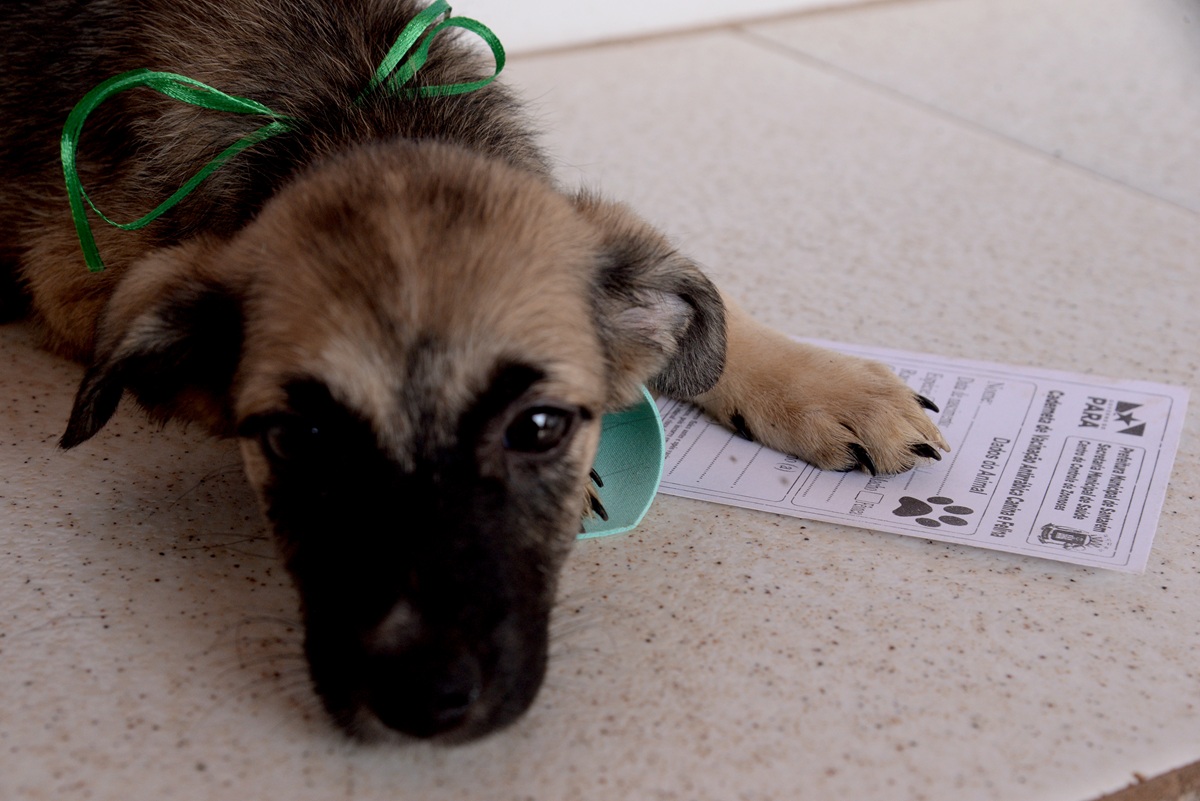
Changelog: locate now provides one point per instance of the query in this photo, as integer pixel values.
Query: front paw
(834, 411)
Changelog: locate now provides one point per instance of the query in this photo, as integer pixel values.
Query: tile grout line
(833, 70)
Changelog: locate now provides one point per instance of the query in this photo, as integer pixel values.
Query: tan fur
(67, 299)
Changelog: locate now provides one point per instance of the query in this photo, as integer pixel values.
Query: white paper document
(1044, 463)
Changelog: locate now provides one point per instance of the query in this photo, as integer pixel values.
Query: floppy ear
(661, 320)
(172, 336)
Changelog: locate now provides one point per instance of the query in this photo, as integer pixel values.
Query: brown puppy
(393, 306)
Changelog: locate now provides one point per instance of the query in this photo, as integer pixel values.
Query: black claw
(596, 478)
(926, 403)
(864, 459)
(926, 450)
(738, 424)
(598, 508)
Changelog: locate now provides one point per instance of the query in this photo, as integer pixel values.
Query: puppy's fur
(412, 330)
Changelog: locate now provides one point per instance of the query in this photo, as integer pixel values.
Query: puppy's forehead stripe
(363, 375)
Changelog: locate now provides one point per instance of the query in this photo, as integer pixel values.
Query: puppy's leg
(836, 412)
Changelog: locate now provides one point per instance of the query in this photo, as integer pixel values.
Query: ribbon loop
(417, 60)
(404, 43)
(411, 50)
(176, 87)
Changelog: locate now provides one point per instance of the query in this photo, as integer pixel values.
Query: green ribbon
(401, 64)
(180, 88)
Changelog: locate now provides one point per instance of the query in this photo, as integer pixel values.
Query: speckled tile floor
(1011, 180)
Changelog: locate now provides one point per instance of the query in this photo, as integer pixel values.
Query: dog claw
(926, 403)
(598, 507)
(926, 450)
(738, 424)
(865, 462)
(596, 478)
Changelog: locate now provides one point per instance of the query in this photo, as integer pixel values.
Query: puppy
(412, 331)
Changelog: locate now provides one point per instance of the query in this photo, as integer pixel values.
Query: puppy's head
(415, 347)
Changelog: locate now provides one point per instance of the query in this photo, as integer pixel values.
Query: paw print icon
(929, 515)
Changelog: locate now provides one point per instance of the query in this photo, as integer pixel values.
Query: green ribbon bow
(399, 66)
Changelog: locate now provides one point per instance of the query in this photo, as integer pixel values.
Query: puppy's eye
(538, 429)
(290, 439)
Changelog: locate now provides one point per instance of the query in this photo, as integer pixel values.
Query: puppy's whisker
(226, 545)
(224, 470)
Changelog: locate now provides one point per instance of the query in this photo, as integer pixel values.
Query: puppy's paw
(834, 411)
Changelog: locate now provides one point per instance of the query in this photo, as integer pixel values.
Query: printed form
(1044, 463)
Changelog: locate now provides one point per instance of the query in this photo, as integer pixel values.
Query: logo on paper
(1125, 415)
(1104, 413)
(927, 514)
(1070, 539)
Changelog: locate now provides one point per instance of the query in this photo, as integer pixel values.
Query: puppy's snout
(414, 684)
(424, 691)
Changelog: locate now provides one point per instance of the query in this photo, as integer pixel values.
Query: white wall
(529, 25)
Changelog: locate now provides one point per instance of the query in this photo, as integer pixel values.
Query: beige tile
(1111, 85)
(149, 647)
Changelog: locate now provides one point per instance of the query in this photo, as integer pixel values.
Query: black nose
(424, 693)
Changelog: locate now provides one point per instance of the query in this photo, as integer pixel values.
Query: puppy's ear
(661, 320)
(172, 336)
